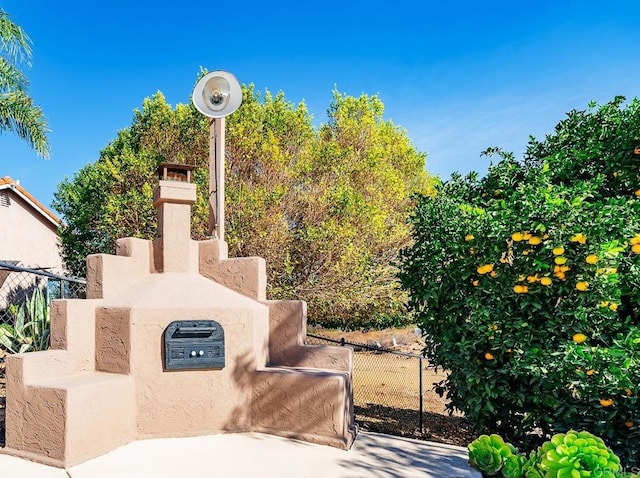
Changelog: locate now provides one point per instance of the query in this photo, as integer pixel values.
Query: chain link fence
(388, 383)
(18, 283)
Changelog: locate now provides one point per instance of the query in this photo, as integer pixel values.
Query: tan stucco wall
(105, 382)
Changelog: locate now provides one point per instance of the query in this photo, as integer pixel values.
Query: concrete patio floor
(247, 455)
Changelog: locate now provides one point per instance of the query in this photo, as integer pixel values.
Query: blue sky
(459, 76)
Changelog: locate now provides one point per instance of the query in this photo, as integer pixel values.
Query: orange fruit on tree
(485, 268)
(582, 286)
(592, 259)
(546, 281)
(489, 356)
(606, 402)
(579, 338)
(628, 424)
(468, 237)
(580, 238)
(636, 248)
(558, 251)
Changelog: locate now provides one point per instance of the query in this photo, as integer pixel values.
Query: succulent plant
(566, 455)
(576, 455)
(530, 467)
(513, 466)
(488, 454)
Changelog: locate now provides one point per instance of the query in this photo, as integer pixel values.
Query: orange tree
(526, 283)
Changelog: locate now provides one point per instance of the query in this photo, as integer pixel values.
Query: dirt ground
(386, 390)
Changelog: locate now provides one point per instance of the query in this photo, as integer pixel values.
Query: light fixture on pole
(216, 95)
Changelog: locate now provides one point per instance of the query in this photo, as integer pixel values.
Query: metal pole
(421, 411)
(216, 178)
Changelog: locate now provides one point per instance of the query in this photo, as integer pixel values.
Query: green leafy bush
(30, 329)
(326, 208)
(525, 283)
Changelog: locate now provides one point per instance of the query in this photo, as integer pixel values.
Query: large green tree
(526, 281)
(325, 207)
(18, 113)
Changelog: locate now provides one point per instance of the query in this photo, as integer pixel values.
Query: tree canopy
(18, 113)
(526, 281)
(326, 207)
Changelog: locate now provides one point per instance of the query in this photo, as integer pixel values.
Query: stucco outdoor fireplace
(174, 339)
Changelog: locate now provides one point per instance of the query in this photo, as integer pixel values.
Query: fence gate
(390, 385)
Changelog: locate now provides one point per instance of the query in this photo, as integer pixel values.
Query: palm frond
(11, 77)
(18, 114)
(13, 40)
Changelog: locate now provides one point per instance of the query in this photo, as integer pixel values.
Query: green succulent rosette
(530, 467)
(532, 472)
(513, 466)
(488, 454)
(576, 455)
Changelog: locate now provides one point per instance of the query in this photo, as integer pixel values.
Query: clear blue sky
(459, 76)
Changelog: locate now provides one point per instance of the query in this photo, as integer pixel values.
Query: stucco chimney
(173, 198)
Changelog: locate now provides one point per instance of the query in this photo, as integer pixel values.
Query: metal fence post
(421, 410)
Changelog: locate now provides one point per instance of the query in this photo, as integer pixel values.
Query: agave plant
(30, 328)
